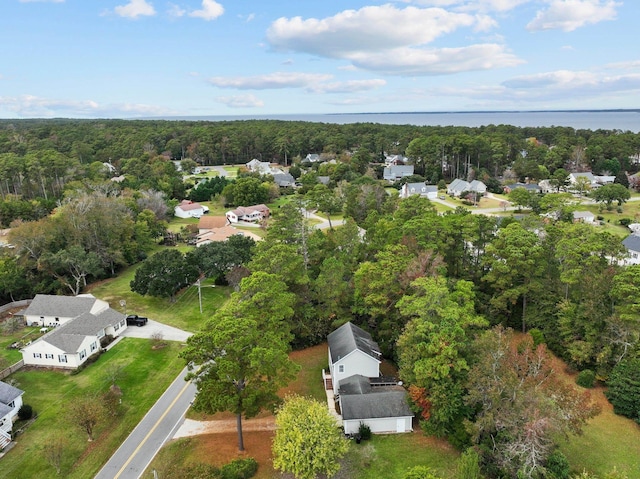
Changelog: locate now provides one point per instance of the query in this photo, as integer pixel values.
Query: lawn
(184, 313)
(608, 441)
(146, 373)
(12, 356)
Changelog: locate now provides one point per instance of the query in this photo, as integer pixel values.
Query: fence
(11, 369)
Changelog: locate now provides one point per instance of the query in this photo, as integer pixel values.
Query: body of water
(623, 120)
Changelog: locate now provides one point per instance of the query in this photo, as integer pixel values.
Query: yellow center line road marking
(151, 431)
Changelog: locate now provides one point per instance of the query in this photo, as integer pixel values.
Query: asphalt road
(158, 426)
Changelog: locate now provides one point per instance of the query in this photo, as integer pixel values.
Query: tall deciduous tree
(307, 441)
(86, 412)
(239, 360)
(522, 406)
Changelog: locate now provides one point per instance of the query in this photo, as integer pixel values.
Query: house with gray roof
(384, 408)
(284, 180)
(632, 244)
(396, 172)
(584, 217)
(458, 186)
(362, 394)
(422, 189)
(10, 403)
(79, 325)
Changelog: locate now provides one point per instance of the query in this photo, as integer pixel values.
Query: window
(93, 346)
(57, 320)
(116, 327)
(37, 355)
(340, 368)
(48, 356)
(12, 404)
(62, 358)
(83, 354)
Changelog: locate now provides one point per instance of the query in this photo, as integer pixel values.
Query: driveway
(168, 332)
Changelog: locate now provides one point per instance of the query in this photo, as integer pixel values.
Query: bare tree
(86, 412)
(53, 450)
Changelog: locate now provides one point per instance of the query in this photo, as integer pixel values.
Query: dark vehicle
(135, 320)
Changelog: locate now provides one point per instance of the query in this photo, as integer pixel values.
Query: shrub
(586, 378)
(558, 465)
(25, 412)
(364, 431)
(468, 466)
(600, 218)
(537, 336)
(624, 221)
(420, 472)
(239, 469)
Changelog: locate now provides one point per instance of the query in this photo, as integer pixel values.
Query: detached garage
(383, 408)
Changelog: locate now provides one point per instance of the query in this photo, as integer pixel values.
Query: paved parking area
(168, 332)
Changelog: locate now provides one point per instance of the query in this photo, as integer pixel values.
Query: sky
(158, 58)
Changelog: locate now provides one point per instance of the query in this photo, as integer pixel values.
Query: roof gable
(349, 338)
(632, 242)
(9, 393)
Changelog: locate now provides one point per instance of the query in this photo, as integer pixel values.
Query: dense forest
(437, 291)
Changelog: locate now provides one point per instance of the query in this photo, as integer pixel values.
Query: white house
(632, 243)
(573, 178)
(422, 189)
(49, 310)
(352, 351)
(362, 394)
(10, 404)
(584, 217)
(249, 214)
(190, 209)
(312, 158)
(257, 166)
(74, 339)
(395, 172)
(458, 186)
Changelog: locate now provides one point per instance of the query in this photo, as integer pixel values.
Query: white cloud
(41, 1)
(30, 106)
(630, 65)
(135, 9)
(415, 62)
(350, 86)
(391, 40)
(270, 81)
(240, 101)
(568, 15)
(370, 29)
(288, 61)
(210, 10)
(176, 11)
(473, 5)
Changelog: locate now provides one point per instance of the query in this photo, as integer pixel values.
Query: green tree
(86, 412)
(607, 194)
(515, 268)
(239, 360)
(163, 275)
(431, 349)
(72, 266)
(623, 388)
(307, 442)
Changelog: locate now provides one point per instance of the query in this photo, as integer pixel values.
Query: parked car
(135, 320)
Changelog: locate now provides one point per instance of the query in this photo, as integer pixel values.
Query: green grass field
(146, 373)
(184, 313)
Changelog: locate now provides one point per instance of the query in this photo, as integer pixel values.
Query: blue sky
(141, 58)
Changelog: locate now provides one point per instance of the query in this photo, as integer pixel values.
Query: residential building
(422, 189)
(190, 209)
(10, 404)
(250, 214)
(394, 173)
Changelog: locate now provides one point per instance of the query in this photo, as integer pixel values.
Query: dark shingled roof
(60, 306)
(632, 242)
(349, 337)
(356, 384)
(379, 402)
(8, 393)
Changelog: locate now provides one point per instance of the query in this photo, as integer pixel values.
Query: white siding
(50, 321)
(355, 362)
(378, 425)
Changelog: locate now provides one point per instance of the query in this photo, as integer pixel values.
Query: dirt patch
(221, 448)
